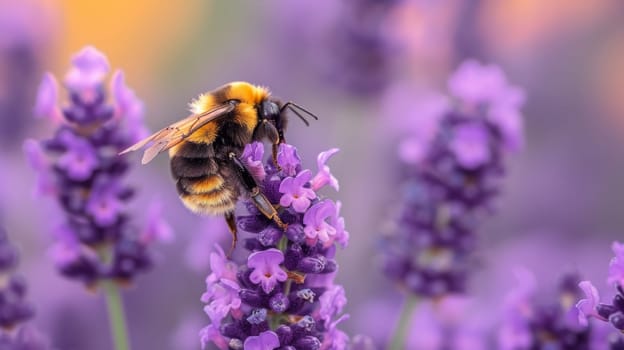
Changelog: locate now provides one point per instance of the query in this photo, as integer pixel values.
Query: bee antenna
(300, 116)
(303, 110)
(292, 105)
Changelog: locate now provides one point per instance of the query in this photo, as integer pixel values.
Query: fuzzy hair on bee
(205, 148)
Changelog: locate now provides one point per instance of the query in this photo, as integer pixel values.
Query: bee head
(272, 119)
(271, 122)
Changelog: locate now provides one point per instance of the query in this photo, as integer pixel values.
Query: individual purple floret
(15, 310)
(282, 295)
(528, 325)
(613, 313)
(453, 173)
(81, 168)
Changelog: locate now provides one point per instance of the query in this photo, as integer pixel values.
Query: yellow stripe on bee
(250, 96)
(217, 202)
(247, 93)
(245, 113)
(247, 116)
(205, 134)
(210, 198)
(207, 184)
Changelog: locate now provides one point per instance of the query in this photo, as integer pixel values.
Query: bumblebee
(205, 148)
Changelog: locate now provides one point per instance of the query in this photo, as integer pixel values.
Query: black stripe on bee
(221, 95)
(233, 135)
(195, 150)
(192, 167)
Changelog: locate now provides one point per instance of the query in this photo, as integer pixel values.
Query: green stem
(116, 315)
(401, 332)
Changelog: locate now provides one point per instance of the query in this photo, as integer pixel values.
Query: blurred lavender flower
(613, 313)
(25, 29)
(528, 325)
(14, 309)
(453, 175)
(79, 165)
(362, 49)
(283, 296)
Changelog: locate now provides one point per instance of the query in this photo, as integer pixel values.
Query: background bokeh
(562, 203)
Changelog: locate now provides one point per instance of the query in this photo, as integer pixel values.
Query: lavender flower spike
(97, 243)
(80, 167)
(282, 296)
(451, 181)
(15, 311)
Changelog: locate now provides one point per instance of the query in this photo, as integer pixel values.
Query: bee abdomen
(199, 185)
(209, 194)
(192, 167)
(198, 196)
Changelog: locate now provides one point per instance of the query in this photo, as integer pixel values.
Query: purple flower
(221, 298)
(616, 266)
(314, 220)
(587, 306)
(528, 324)
(47, 96)
(67, 249)
(612, 313)
(288, 298)
(332, 302)
(80, 159)
(324, 176)
(252, 157)
(37, 160)
(25, 338)
(475, 83)
(338, 222)
(89, 68)
(127, 104)
(288, 159)
(453, 163)
(221, 267)
(15, 310)
(296, 193)
(85, 174)
(264, 341)
(104, 204)
(335, 339)
(266, 268)
(470, 145)
(211, 333)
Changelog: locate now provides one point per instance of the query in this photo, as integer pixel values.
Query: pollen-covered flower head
(285, 283)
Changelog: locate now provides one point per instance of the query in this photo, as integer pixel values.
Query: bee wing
(175, 133)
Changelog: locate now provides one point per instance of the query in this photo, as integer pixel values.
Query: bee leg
(275, 146)
(259, 199)
(231, 222)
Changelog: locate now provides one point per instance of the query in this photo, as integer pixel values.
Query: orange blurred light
(514, 26)
(135, 35)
